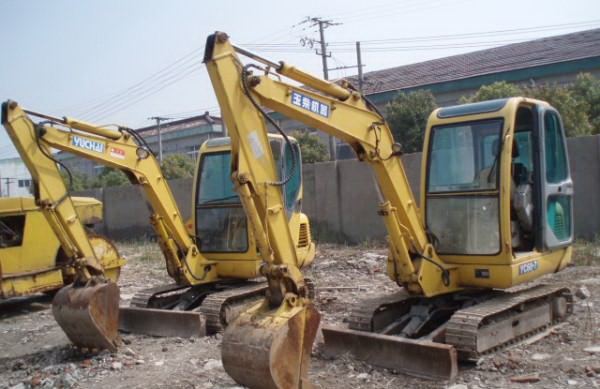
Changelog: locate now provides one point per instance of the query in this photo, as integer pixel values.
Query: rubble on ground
(35, 354)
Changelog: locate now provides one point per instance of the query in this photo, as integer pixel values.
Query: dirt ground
(35, 353)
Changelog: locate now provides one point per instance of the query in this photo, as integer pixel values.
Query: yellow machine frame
(32, 267)
(352, 119)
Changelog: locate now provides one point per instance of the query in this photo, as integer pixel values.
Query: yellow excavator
(219, 227)
(31, 257)
(213, 270)
(496, 213)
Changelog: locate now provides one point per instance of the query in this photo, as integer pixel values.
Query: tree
(578, 104)
(572, 109)
(496, 90)
(407, 116)
(587, 89)
(110, 177)
(78, 181)
(311, 147)
(178, 166)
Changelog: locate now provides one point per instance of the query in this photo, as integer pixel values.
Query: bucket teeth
(89, 315)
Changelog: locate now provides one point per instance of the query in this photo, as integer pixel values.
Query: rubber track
(463, 328)
(361, 317)
(215, 306)
(142, 298)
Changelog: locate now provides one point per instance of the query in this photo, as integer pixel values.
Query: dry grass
(146, 250)
(587, 253)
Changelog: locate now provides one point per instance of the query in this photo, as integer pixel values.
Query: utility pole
(323, 24)
(159, 119)
(7, 182)
(360, 65)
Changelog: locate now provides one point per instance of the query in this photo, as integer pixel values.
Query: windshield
(464, 156)
(464, 161)
(215, 185)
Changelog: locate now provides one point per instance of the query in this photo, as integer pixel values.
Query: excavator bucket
(89, 315)
(271, 350)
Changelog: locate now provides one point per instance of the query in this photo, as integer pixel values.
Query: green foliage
(578, 103)
(587, 88)
(110, 177)
(177, 166)
(407, 116)
(80, 181)
(571, 108)
(311, 147)
(497, 90)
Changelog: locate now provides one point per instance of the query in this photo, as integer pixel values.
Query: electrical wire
(121, 103)
(170, 69)
(39, 129)
(245, 73)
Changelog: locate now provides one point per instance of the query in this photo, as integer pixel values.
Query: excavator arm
(88, 310)
(269, 345)
(244, 92)
(346, 114)
(122, 149)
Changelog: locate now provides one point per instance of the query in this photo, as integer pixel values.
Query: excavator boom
(472, 233)
(208, 293)
(269, 345)
(87, 310)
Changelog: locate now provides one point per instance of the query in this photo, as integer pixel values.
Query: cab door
(556, 189)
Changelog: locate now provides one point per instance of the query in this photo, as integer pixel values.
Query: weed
(587, 253)
(141, 249)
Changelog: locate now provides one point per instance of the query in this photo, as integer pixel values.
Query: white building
(15, 179)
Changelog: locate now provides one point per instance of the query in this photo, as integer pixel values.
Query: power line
(323, 24)
(143, 87)
(121, 103)
(174, 72)
(461, 36)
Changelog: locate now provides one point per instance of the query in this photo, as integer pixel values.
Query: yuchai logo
(87, 144)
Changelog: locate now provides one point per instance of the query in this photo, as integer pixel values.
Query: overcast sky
(116, 61)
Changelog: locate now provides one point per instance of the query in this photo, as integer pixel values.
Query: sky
(116, 61)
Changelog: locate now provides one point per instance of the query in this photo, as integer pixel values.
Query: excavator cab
(221, 227)
(496, 188)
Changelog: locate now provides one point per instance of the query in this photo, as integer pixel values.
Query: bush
(578, 103)
(311, 147)
(407, 116)
(178, 166)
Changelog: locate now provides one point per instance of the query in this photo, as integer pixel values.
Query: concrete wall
(584, 160)
(341, 201)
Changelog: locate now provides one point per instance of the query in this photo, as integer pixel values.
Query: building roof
(178, 125)
(551, 50)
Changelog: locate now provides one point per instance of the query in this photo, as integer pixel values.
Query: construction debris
(35, 354)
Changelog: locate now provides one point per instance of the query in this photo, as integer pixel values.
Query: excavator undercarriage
(426, 337)
(211, 306)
